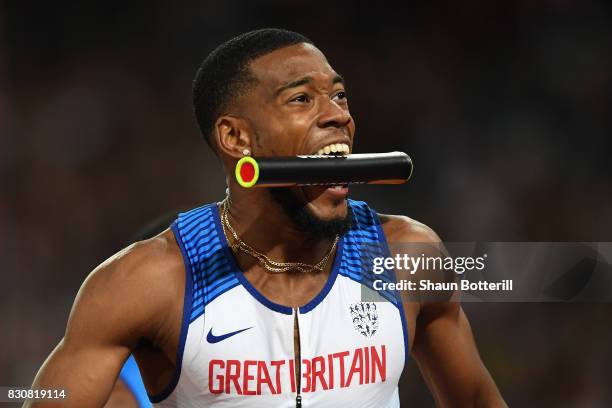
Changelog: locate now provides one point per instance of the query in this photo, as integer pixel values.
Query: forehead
(289, 63)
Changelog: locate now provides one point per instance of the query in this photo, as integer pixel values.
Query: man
(221, 307)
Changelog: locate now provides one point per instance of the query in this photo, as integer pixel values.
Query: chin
(320, 217)
(324, 202)
(326, 211)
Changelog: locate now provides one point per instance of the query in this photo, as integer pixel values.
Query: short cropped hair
(224, 74)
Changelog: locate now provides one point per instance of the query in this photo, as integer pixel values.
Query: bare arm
(446, 353)
(122, 301)
(121, 397)
(443, 343)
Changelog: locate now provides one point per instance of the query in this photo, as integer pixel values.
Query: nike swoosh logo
(211, 338)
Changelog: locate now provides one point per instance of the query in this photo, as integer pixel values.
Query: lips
(332, 192)
(339, 191)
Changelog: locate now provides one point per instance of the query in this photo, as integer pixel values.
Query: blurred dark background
(505, 108)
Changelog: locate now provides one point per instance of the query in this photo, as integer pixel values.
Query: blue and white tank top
(237, 347)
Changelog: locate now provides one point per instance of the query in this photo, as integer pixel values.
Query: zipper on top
(297, 358)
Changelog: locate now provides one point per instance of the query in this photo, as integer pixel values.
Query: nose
(332, 114)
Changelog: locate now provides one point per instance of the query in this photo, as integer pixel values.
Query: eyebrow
(305, 80)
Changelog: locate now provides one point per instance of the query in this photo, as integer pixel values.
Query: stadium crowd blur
(505, 108)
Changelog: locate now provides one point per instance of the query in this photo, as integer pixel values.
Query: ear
(233, 136)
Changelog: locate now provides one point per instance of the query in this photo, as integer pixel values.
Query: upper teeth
(341, 148)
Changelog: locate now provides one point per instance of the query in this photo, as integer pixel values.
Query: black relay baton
(373, 168)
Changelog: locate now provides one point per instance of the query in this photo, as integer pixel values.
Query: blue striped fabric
(211, 270)
(363, 242)
(211, 267)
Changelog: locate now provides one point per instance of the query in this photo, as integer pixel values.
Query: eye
(340, 96)
(302, 98)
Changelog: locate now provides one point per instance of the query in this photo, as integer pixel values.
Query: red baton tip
(247, 172)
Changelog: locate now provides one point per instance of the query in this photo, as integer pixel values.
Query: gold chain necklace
(265, 261)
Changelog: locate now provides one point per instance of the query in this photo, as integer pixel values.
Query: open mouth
(333, 149)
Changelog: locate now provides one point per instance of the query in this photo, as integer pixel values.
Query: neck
(261, 222)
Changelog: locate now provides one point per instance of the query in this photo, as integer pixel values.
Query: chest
(243, 349)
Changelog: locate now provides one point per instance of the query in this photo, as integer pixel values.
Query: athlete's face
(299, 106)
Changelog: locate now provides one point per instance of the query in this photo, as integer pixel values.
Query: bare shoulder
(408, 237)
(132, 290)
(399, 229)
(145, 266)
(147, 259)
